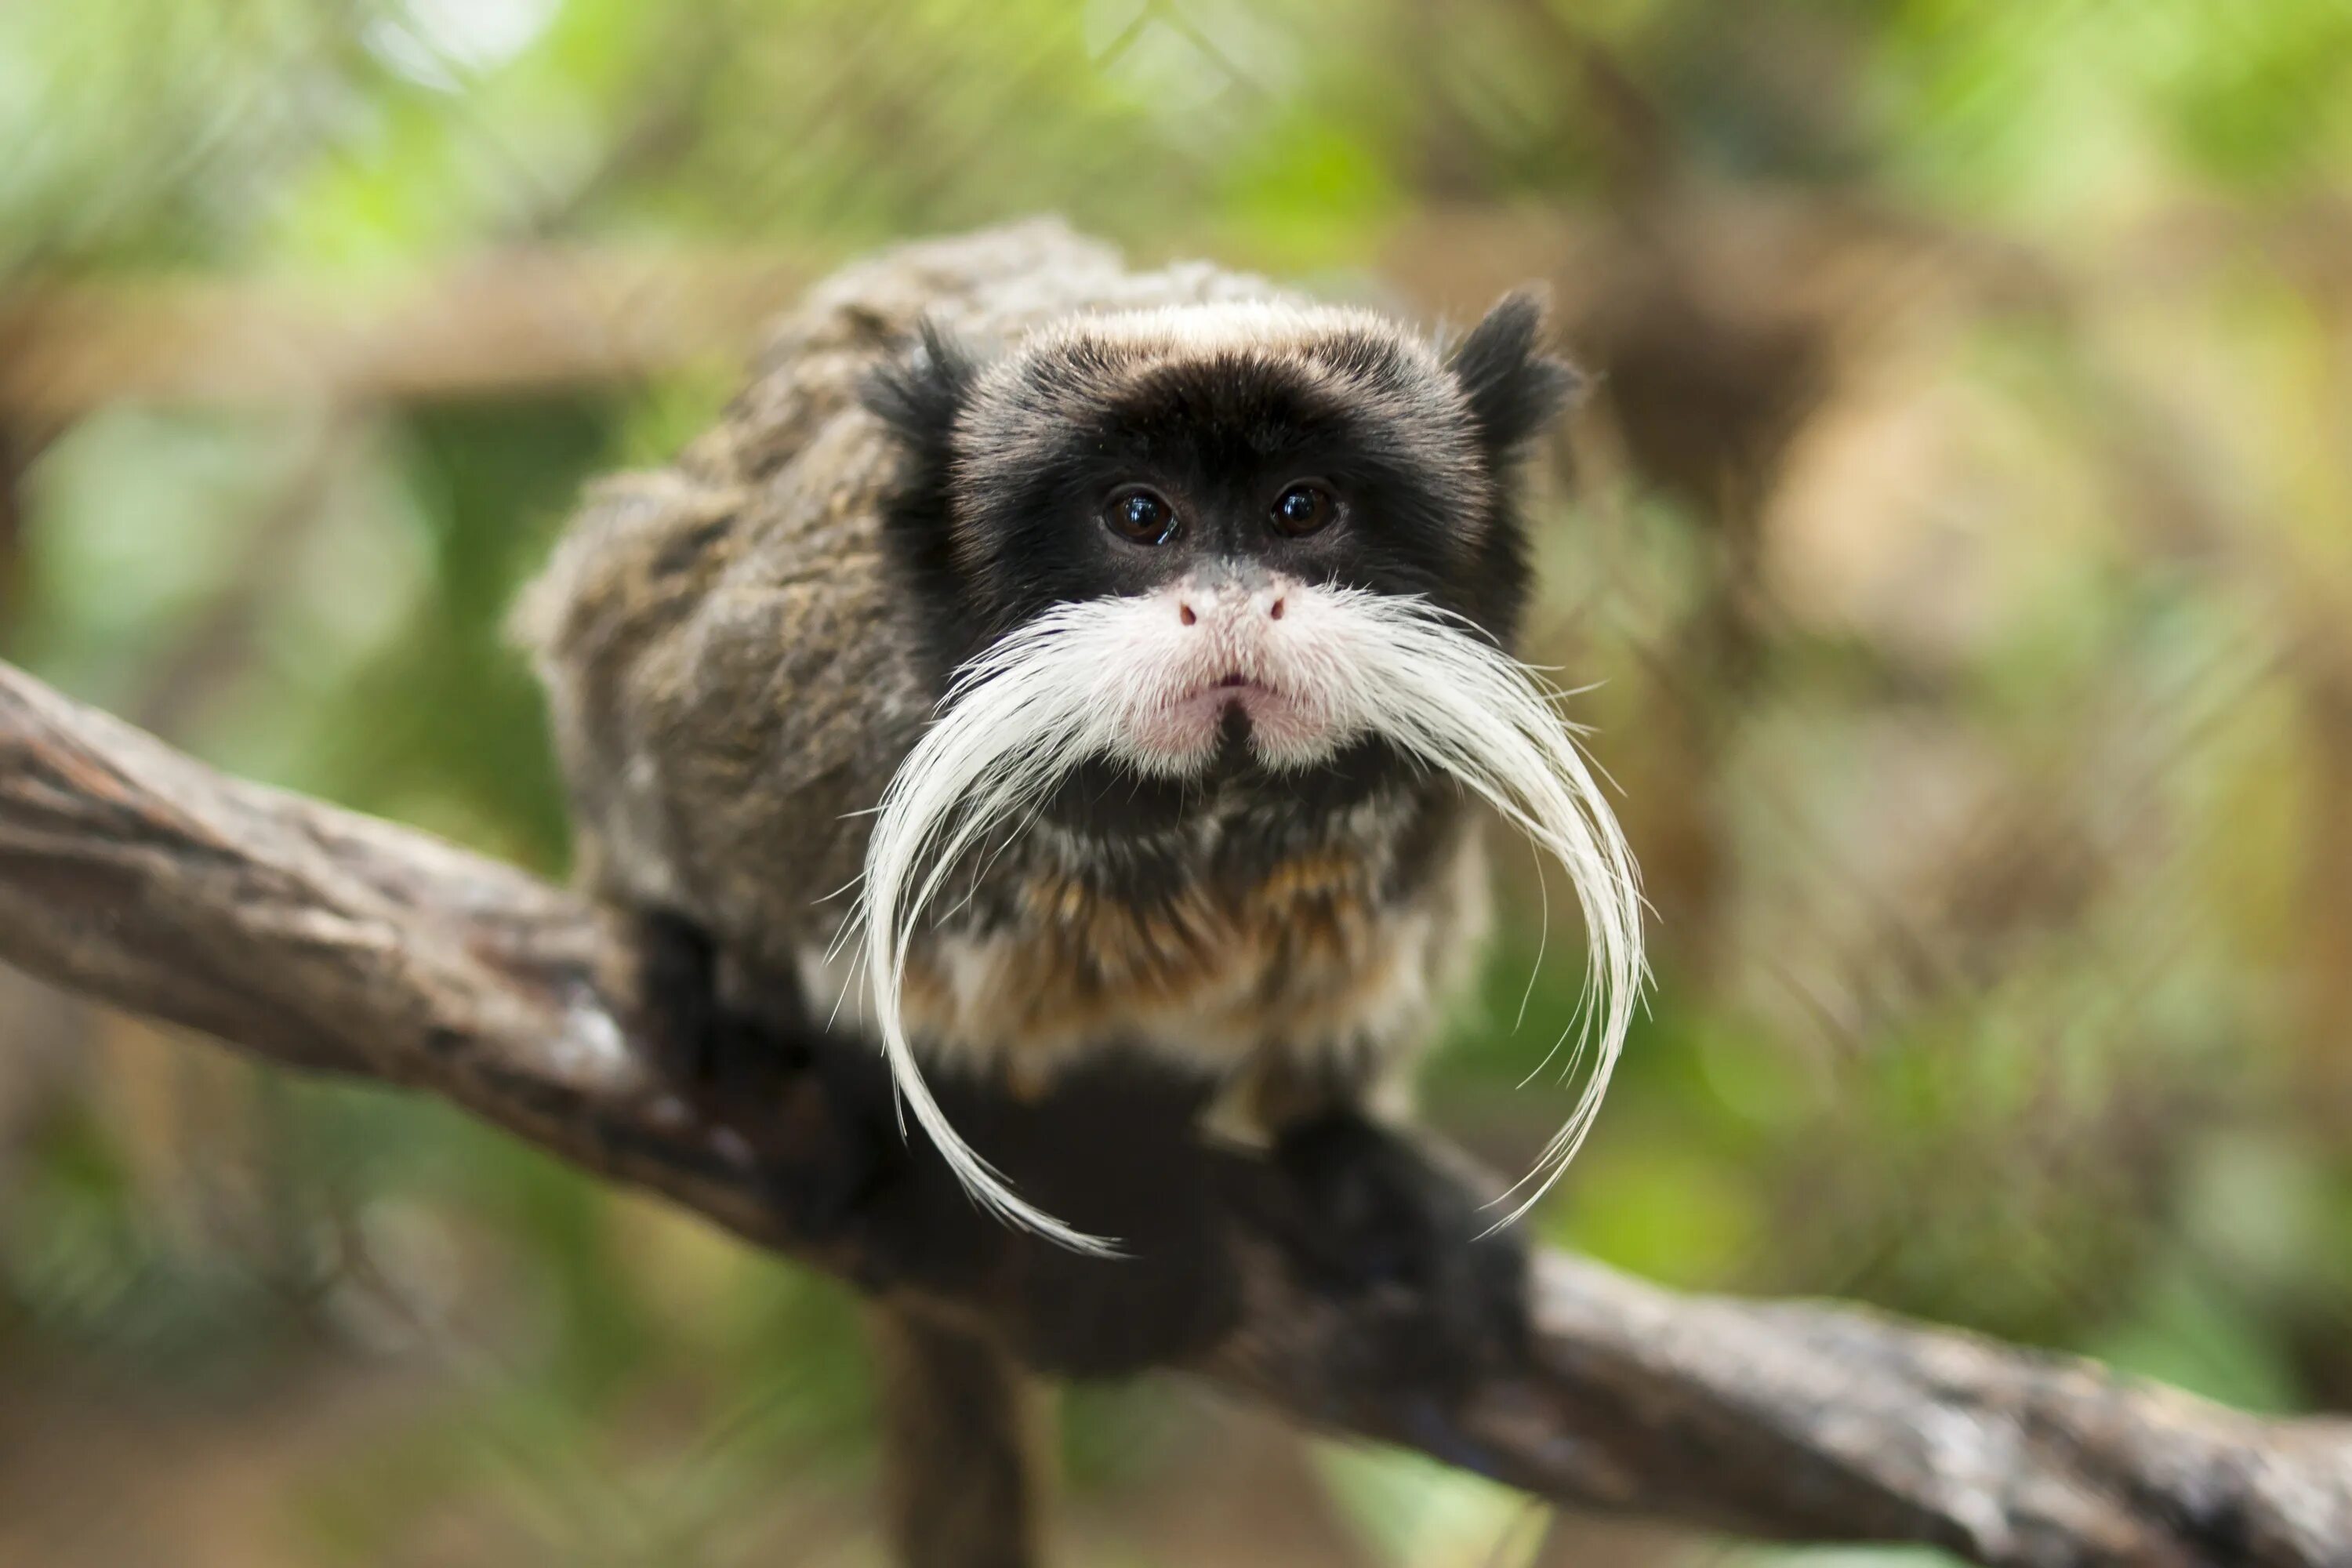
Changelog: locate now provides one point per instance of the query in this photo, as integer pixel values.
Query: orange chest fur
(1310, 958)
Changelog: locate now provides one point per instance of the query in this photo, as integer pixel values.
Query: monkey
(1058, 699)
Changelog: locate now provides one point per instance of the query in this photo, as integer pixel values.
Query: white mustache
(1080, 680)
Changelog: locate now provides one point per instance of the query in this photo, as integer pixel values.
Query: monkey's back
(732, 671)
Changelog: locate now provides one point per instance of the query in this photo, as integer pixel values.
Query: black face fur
(1011, 465)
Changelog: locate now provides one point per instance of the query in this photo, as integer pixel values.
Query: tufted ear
(920, 396)
(919, 393)
(1515, 388)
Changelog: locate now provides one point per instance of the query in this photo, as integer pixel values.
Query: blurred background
(1960, 538)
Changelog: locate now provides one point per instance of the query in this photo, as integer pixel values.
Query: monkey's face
(1156, 543)
(1223, 489)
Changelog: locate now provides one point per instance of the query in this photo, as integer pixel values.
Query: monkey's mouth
(1245, 706)
(1235, 692)
(1217, 711)
(1233, 705)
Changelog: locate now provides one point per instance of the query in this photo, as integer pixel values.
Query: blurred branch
(516, 322)
(319, 939)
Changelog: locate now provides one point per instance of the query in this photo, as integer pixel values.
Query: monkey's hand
(793, 1100)
(1367, 1209)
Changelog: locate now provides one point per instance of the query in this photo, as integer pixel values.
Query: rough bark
(321, 940)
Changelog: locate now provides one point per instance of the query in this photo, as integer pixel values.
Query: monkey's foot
(1374, 1213)
(773, 1094)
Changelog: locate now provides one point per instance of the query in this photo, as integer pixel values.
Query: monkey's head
(1197, 498)
(1187, 541)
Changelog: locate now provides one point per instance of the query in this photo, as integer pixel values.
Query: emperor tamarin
(1047, 659)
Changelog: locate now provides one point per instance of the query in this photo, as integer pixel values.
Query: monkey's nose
(1270, 604)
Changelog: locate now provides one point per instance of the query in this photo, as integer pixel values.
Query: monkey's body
(1090, 727)
(736, 675)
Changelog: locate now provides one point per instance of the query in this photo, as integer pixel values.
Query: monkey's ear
(1514, 387)
(920, 396)
(919, 393)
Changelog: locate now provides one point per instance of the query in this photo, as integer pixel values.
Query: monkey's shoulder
(731, 679)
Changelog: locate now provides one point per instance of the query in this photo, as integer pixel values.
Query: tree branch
(321, 940)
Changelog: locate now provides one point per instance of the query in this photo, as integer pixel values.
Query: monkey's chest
(1314, 958)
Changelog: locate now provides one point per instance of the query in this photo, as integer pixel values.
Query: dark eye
(1140, 514)
(1305, 509)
